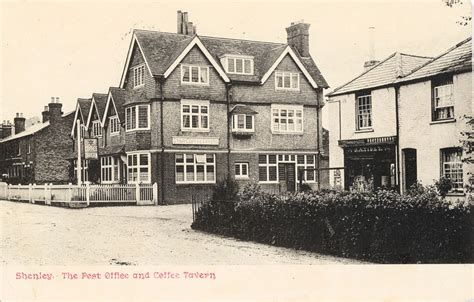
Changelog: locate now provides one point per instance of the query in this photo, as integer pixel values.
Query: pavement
(128, 235)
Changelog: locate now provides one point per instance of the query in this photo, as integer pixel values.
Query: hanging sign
(91, 150)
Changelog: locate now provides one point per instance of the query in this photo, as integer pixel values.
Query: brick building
(38, 154)
(192, 110)
(393, 124)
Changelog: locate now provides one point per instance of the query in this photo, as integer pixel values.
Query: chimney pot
(19, 122)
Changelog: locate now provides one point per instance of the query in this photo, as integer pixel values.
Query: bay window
(243, 123)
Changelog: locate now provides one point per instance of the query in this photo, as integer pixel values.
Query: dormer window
(238, 64)
(138, 75)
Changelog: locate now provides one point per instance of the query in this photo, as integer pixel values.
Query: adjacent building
(400, 121)
(192, 110)
(38, 154)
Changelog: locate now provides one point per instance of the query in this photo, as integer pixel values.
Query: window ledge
(195, 84)
(137, 130)
(286, 133)
(242, 178)
(364, 130)
(451, 120)
(196, 130)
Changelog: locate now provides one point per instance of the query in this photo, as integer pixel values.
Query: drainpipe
(397, 144)
(162, 143)
(318, 108)
(227, 87)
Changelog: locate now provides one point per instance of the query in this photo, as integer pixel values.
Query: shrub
(381, 226)
(444, 185)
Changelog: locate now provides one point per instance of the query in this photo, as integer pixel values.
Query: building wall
(53, 147)
(342, 124)
(419, 132)
(150, 84)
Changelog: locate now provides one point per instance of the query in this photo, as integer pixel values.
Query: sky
(72, 49)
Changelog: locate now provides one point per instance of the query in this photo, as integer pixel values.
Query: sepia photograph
(175, 142)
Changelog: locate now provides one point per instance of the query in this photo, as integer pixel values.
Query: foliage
(305, 187)
(466, 19)
(444, 185)
(381, 226)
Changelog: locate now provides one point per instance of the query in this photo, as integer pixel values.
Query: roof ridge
(246, 40)
(363, 73)
(439, 56)
(417, 56)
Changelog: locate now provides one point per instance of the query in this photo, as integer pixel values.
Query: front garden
(382, 226)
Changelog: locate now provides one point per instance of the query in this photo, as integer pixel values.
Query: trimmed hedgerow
(382, 226)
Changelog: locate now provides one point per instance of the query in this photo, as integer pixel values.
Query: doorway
(287, 177)
(409, 156)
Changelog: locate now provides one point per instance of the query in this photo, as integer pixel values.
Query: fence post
(87, 193)
(29, 193)
(34, 190)
(8, 191)
(48, 200)
(155, 194)
(137, 192)
(19, 192)
(45, 193)
(69, 190)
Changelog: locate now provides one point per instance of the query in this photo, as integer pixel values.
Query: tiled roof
(162, 49)
(120, 96)
(85, 105)
(101, 102)
(31, 130)
(134, 97)
(240, 109)
(384, 73)
(455, 59)
(112, 149)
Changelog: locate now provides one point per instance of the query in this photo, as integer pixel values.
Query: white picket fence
(141, 194)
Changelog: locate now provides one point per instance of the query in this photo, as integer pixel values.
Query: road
(129, 235)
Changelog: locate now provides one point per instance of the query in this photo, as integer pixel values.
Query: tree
(465, 20)
(467, 140)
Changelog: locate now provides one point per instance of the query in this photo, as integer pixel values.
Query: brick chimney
(54, 110)
(19, 122)
(184, 26)
(45, 114)
(5, 129)
(298, 37)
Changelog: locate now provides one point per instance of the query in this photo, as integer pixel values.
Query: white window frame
(235, 123)
(240, 175)
(199, 159)
(190, 67)
(283, 75)
(306, 165)
(18, 149)
(362, 112)
(450, 168)
(267, 166)
(137, 123)
(199, 114)
(436, 97)
(276, 108)
(114, 125)
(109, 166)
(138, 166)
(138, 76)
(96, 129)
(226, 59)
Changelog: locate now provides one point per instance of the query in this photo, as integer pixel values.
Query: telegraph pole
(79, 157)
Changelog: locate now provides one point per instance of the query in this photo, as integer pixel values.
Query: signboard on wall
(91, 150)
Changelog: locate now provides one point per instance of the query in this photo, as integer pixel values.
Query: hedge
(382, 226)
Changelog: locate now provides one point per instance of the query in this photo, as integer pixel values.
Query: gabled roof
(456, 59)
(99, 101)
(82, 112)
(116, 98)
(384, 73)
(31, 130)
(163, 51)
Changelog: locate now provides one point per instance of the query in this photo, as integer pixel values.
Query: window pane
(248, 122)
(186, 121)
(210, 173)
(247, 66)
(179, 158)
(272, 173)
(238, 67)
(194, 120)
(294, 80)
(279, 79)
(143, 159)
(209, 158)
(262, 159)
(200, 173)
(286, 81)
(194, 74)
(204, 122)
(143, 116)
(186, 109)
(245, 170)
(195, 109)
(272, 159)
(262, 173)
(237, 169)
(134, 117)
(204, 109)
(179, 173)
(204, 75)
(144, 174)
(189, 173)
(240, 121)
(186, 77)
(230, 65)
(189, 158)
